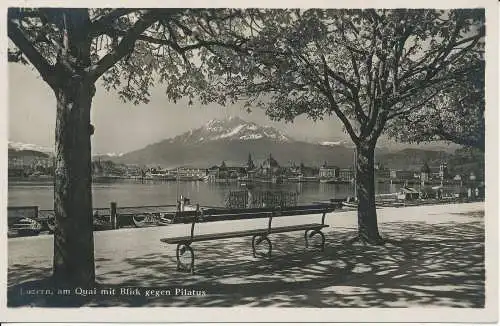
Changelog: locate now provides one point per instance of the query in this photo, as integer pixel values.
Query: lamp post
(472, 179)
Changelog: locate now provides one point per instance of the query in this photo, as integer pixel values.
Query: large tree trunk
(365, 181)
(73, 237)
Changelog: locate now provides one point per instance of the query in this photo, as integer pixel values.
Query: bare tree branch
(465, 140)
(172, 43)
(45, 69)
(329, 94)
(413, 107)
(105, 20)
(379, 126)
(125, 46)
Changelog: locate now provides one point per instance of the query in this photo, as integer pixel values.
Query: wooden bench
(259, 235)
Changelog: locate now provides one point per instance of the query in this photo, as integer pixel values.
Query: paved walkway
(435, 258)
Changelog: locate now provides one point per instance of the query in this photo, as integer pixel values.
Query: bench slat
(219, 216)
(237, 234)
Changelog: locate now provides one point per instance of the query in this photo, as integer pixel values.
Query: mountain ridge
(233, 139)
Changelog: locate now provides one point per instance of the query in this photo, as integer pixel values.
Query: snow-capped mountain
(108, 155)
(232, 140)
(337, 143)
(233, 128)
(18, 146)
(25, 147)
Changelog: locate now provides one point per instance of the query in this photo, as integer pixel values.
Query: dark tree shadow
(422, 264)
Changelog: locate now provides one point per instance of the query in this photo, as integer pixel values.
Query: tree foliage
(364, 66)
(370, 68)
(131, 50)
(466, 160)
(457, 115)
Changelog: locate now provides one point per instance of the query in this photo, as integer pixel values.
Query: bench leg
(181, 249)
(256, 240)
(312, 234)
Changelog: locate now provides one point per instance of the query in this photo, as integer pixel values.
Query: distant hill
(412, 158)
(28, 148)
(231, 140)
(236, 153)
(26, 153)
(22, 150)
(26, 156)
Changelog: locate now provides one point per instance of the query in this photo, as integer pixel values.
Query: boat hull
(328, 180)
(26, 226)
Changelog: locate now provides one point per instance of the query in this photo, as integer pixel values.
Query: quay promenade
(435, 258)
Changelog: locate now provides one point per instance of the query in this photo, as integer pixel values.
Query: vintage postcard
(169, 158)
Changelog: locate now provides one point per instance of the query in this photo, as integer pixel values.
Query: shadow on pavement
(422, 264)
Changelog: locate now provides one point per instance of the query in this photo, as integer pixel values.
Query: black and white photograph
(250, 157)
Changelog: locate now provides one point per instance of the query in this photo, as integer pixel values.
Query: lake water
(133, 193)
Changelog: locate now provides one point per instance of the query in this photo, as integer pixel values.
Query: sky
(123, 127)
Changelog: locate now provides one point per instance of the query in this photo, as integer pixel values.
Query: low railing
(258, 199)
(112, 217)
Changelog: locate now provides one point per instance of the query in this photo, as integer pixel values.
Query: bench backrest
(220, 214)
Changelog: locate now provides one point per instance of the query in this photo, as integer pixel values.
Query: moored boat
(407, 193)
(101, 224)
(145, 220)
(350, 202)
(26, 226)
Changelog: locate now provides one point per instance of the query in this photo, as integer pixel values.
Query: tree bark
(365, 182)
(73, 236)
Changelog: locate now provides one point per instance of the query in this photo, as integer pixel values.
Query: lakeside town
(266, 171)
(428, 185)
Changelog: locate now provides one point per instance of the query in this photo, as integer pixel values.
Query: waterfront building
(346, 174)
(270, 166)
(401, 174)
(212, 173)
(189, 172)
(250, 165)
(16, 163)
(443, 170)
(383, 173)
(224, 173)
(425, 174)
(16, 171)
(328, 171)
(133, 170)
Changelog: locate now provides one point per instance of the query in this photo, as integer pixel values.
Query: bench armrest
(326, 211)
(195, 219)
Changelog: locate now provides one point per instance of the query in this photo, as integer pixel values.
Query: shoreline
(118, 179)
(339, 210)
